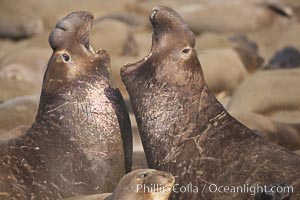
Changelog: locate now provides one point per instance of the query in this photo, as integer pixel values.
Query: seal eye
(186, 50)
(66, 57)
(143, 175)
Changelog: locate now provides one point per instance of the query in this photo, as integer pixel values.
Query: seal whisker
(52, 110)
(200, 52)
(79, 183)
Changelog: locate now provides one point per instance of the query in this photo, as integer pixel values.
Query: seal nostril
(66, 57)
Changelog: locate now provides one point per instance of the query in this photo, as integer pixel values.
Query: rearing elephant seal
(187, 132)
(141, 184)
(75, 145)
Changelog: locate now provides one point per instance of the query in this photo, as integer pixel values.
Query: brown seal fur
(186, 131)
(141, 184)
(75, 145)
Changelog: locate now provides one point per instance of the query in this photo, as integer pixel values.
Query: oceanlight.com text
(212, 188)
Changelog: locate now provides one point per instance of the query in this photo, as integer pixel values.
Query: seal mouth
(169, 180)
(85, 40)
(129, 67)
(78, 24)
(167, 25)
(167, 187)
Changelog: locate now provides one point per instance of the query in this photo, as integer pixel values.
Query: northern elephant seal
(80, 142)
(187, 132)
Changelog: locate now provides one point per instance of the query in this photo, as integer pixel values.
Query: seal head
(170, 50)
(73, 56)
(144, 184)
(140, 184)
(164, 20)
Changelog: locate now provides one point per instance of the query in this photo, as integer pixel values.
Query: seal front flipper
(125, 127)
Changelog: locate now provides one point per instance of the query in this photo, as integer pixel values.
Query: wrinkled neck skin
(82, 112)
(163, 111)
(78, 134)
(175, 121)
(187, 132)
(77, 109)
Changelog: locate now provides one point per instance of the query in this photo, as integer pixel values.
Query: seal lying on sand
(75, 146)
(269, 102)
(287, 58)
(140, 184)
(187, 132)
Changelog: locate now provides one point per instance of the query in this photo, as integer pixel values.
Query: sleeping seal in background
(80, 142)
(287, 58)
(187, 132)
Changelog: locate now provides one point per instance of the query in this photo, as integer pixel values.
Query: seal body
(140, 184)
(186, 131)
(287, 58)
(81, 134)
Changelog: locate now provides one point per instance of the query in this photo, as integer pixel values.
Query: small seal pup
(187, 132)
(75, 145)
(141, 184)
